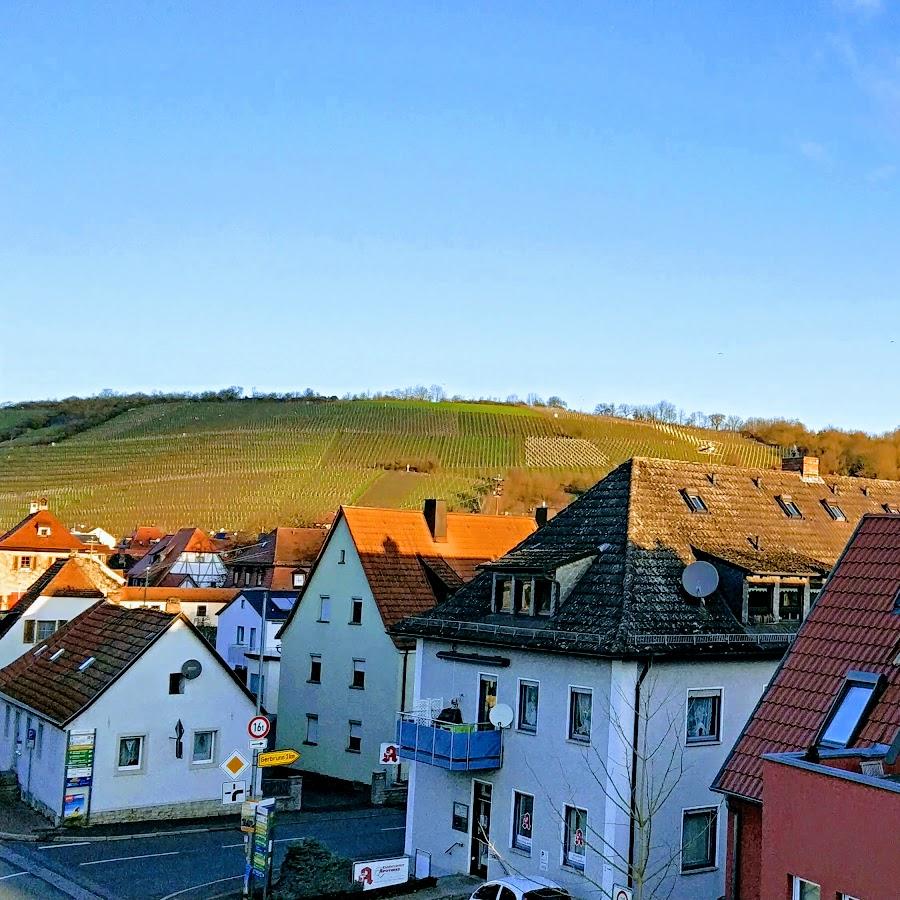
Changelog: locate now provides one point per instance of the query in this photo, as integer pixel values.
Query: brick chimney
(806, 466)
(435, 512)
(543, 514)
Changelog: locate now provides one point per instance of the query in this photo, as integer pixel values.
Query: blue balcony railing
(459, 748)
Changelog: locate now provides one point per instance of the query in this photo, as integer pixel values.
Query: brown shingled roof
(855, 625)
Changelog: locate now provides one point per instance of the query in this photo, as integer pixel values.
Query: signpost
(277, 758)
(79, 774)
(259, 847)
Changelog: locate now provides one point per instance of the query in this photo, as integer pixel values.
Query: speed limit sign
(258, 727)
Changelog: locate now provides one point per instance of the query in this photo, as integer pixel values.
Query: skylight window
(695, 502)
(834, 511)
(791, 510)
(58, 653)
(40, 650)
(87, 663)
(891, 508)
(848, 712)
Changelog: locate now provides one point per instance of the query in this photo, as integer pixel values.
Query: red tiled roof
(24, 536)
(143, 539)
(853, 626)
(162, 594)
(167, 551)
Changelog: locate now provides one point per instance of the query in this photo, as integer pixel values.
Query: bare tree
(716, 420)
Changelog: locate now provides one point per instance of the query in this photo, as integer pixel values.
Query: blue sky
(609, 202)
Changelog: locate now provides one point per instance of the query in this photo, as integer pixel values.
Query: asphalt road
(17, 883)
(197, 866)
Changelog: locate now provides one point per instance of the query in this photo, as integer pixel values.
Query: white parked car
(520, 888)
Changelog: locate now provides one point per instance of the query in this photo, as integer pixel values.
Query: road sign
(234, 764)
(277, 758)
(233, 792)
(259, 743)
(258, 727)
(390, 755)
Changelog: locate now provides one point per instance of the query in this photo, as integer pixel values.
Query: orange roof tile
(24, 535)
(162, 594)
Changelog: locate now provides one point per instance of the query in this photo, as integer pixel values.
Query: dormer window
(834, 511)
(523, 595)
(891, 508)
(849, 710)
(791, 510)
(695, 502)
(43, 531)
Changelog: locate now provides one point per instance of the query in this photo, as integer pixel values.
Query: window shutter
(29, 631)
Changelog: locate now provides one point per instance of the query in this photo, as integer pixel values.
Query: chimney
(806, 466)
(33, 507)
(543, 514)
(44, 503)
(435, 512)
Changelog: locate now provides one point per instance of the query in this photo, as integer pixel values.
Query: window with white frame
(358, 680)
(580, 714)
(704, 712)
(801, 889)
(299, 579)
(356, 609)
(523, 820)
(699, 831)
(315, 668)
(312, 729)
(574, 837)
(240, 635)
(44, 531)
(24, 562)
(252, 638)
(528, 706)
(131, 753)
(324, 609)
(204, 749)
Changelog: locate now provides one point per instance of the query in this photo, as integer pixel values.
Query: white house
(342, 675)
(200, 605)
(626, 692)
(240, 640)
(187, 558)
(123, 714)
(64, 591)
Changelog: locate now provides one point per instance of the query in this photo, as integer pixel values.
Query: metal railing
(459, 747)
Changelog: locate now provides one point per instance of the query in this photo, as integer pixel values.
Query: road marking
(241, 844)
(64, 845)
(100, 862)
(14, 875)
(197, 887)
(396, 828)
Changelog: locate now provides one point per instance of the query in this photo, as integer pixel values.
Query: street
(188, 866)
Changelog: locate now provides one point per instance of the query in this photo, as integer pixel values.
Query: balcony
(459, 748)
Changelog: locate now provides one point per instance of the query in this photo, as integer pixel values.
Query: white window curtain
(700, 722)
(203, 746)
(129, 752)
(581, 714)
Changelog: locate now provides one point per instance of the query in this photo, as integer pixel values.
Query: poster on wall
(74, 807)
(79, 774)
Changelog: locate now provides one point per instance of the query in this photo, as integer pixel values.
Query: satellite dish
(700, 579)
(501, 715)
(191, 669)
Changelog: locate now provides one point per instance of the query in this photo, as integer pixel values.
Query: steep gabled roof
(635, 533)
(855, 625)
(280, 602)
(162, 556)
(143, 539)
(281, 547)
(24, 535)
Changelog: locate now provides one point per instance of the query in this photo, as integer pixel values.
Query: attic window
(834, 511)
(890, 508)
(791, 510)
(43, 531)
(58, 653)
(853, 702)
(695, 502)
(87, 663)
(524, 595)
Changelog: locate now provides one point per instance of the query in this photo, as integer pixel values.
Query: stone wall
(196, 809)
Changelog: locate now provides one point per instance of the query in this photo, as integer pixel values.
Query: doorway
(487, 699)
(481, 829)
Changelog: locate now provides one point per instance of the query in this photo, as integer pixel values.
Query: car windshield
(547, 894)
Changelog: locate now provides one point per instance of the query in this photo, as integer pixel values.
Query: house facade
(187, 558)
(101, 723)
(30, 547)
(280, 560)
(342, 675)
(823, 745)
(624, 690)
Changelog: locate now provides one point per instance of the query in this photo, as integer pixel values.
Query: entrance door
(481, 829)
(487, 698)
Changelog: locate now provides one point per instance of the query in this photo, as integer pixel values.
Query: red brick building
(812, 784)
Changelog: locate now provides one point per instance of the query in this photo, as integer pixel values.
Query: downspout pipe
(635, 736)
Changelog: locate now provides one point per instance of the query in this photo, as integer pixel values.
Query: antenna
(700, 579)
(501, 715)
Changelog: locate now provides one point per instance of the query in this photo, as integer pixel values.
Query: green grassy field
(254, 464)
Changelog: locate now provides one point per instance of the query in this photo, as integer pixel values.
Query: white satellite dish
(501, 715)
(700, 579)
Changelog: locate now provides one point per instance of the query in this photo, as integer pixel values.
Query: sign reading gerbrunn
(381, 872)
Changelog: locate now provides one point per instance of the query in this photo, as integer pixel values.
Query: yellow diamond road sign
(235, 764)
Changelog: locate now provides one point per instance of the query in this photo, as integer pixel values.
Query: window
(760, 601)
(528, 706)
(804, 890)
(176, 683)
(891, 508)
(259, 577)
(695, 502)
(356, 611)
(240, 635)
(254, 684)
(790, 602)
(246, 577)
(523, 595)
(815, 588)
(131, 752)
(315, 668)
(522, 588)
(299, 579)
(359, 674)
(850, 708)
(44, 629)
(203, 751)
(575, 838)
(699, 829)
(543, 596)
(40, 738)
(24, 562)
(704, 708)
(834, 511)
(252, 638)
(523, 814)
(580, 715)
(354, 738)
(312, 729)
(791, 510)
(44, 531)
(503, 595)
(201, 611)
(28, 631)
(324, 609)
(8, 716)
(342, 557)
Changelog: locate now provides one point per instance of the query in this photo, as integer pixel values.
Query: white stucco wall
(338, 642)
(207, 569)
(12, 644)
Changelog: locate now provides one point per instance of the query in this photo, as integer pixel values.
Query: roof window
(58, 653)
(87, 663)
(834, 511)
(43, 531)
(695, 502)
(40, 650)
(891, 508)
(791, 510)
(849, 710)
